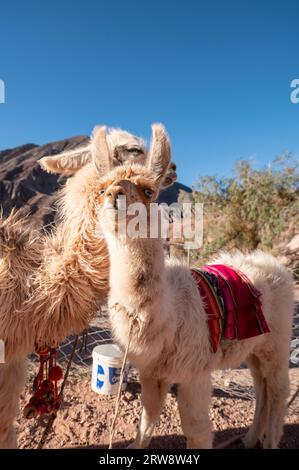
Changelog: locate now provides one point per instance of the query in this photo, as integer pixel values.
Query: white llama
(170, 337)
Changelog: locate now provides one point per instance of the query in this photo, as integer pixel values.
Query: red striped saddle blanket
(233, 304)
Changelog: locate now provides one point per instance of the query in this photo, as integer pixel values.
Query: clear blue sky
(216, 73)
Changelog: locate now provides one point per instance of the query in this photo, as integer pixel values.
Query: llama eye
(148, 192)
(135, 151)
(102, 192)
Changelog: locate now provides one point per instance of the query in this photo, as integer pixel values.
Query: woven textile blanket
(233, 305)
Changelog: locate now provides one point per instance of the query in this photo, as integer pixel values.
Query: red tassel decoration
(45, 398)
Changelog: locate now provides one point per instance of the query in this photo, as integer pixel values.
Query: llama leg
(277, 381)
(153, 394)
(257, 429)
(12, 378)
(194, 400)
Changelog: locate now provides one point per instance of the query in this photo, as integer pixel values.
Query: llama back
(274, 282)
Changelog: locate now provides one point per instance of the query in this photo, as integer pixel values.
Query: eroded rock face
(24, 185)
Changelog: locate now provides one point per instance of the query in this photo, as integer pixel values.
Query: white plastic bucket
(106, 368)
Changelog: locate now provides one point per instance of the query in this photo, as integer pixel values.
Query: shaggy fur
(51, 285)
(19, 255)
(170, 341)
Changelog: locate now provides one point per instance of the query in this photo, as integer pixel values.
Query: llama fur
(170, 340)
(51, 285)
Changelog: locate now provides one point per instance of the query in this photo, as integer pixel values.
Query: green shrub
(250, 210)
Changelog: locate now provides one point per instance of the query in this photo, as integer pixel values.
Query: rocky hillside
(24, 185)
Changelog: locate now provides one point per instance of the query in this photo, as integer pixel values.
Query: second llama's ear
(100, 150)
(160, 153)
(66, 163)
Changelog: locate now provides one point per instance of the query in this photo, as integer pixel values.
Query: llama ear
(67, 162)
(160, 153)
(100, 150)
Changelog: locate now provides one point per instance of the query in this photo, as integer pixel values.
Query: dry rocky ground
(83, 421)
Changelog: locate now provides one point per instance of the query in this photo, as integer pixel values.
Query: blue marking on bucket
(114, 373)
(100, 372)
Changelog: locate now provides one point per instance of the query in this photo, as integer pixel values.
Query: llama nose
(114, 194)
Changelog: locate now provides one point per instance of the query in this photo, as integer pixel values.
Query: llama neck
(139, 288)
(137, 276)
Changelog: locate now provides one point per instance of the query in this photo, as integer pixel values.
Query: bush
(251, 209)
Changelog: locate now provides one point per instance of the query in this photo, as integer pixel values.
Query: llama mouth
(109, 206)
